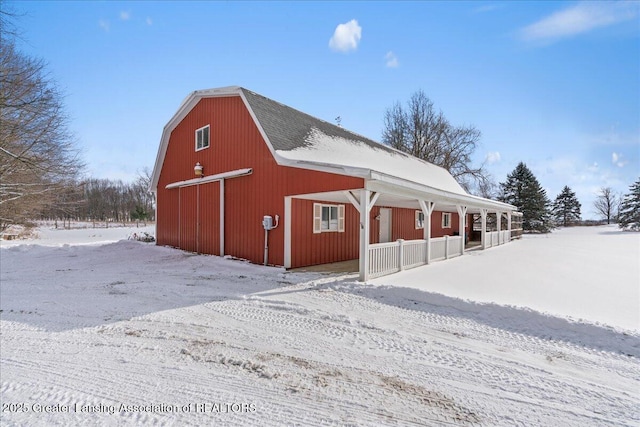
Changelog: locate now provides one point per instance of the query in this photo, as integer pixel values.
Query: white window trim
(317, 218)
(419, 224)
(208, 142)
(448, 215)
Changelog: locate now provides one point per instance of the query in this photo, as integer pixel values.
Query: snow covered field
(587, 273)
(95, 331)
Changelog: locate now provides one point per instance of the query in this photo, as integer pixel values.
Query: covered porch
(387, 257)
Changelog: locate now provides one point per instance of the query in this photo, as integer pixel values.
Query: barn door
(199, 218)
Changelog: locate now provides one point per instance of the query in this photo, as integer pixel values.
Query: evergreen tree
(523, 190)
(630, 208)
(566, 208)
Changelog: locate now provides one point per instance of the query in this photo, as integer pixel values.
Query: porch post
(462, 219)
(509, 225)
(365, 207)
(498, 224)
(483, 233)
(427, 210)
(287, 231)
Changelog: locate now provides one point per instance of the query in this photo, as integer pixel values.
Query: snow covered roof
(299, 140)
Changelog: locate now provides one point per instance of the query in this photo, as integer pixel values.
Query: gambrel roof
(299, 140)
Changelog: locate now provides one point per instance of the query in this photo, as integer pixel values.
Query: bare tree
(607, 204)
(487, 188)
(37, 153)
(144, 199)
(425, 133)
(105, 200)
(67, 203)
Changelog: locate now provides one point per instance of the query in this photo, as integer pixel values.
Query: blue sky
(553, 84)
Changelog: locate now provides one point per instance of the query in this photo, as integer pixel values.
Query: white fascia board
(408, 188)
(211, 178)
(393, 185)
(355, 172)
(185, 107)
(481, 202)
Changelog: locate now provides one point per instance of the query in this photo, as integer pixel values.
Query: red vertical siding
(188, 218)
(403, 225)
(436, 225)
(167, 223)
(309, 248)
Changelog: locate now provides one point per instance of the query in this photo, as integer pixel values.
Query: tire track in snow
(512, 378)
(397, 366)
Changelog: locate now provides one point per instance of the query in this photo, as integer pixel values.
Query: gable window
(328, 218)
(446, 220)
(419, 219)
(202, 138)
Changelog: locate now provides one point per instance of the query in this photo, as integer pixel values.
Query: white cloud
(581, 18)
(346, 37)
(392, 60)
(492, 157)
(149, 21)
(125, 16)
(486, 8)
(104, 24)
(616, 159)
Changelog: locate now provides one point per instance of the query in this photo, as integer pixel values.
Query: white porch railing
(438, 249)
(387, 258)
(495, 238)
(383, 259)
(414, 253)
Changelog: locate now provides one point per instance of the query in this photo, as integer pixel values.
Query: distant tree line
(523, 190)
(103, 201)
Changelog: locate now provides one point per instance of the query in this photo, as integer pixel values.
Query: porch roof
(406, 197)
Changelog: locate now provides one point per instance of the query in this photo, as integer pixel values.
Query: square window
(328, 218)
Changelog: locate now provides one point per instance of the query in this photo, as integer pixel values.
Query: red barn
(230, 157)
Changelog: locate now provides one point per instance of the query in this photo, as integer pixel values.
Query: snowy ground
(128, 333)
(587, 273)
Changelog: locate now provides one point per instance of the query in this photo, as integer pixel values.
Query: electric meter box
(267, 222)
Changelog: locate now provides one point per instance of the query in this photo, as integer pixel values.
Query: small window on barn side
(446, 220)
(419, 219)
(202, 138)
(327, 218)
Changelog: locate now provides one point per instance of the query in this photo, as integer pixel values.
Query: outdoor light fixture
(197, 169)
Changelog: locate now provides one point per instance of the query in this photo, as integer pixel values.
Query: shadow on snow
(517, 320)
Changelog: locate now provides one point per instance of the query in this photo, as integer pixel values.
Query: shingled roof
(288, 128)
